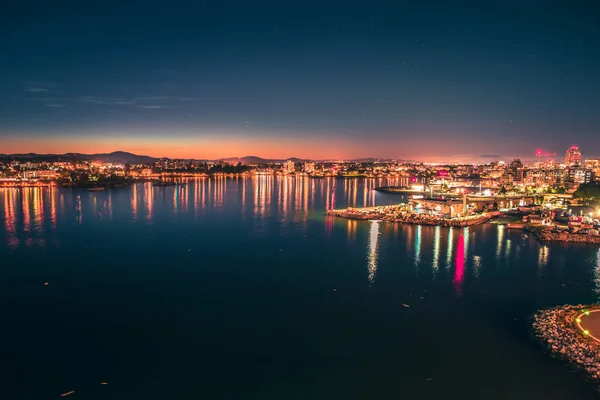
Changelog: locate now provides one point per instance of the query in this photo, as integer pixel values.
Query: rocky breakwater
(546, 235)
(423, 219)
(404, 215)
(558, 333)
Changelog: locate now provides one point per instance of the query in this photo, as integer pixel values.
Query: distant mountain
(254, 160)
(34, 156)
(124, 158)
(298, 160)
(372, 160)
(115, 157)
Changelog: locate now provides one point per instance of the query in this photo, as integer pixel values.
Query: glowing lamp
(587, 313)
(578, 320)
(586, 332)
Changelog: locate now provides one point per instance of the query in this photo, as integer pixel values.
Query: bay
(242, 288)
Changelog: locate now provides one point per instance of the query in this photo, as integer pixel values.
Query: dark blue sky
(428, 79)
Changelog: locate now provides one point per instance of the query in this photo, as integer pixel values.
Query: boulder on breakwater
(556, 330)
(547, 235)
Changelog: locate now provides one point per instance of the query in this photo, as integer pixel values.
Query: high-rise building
(289, 167)
(573, 156)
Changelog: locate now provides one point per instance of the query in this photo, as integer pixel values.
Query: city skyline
(209, 80)
(540, 155)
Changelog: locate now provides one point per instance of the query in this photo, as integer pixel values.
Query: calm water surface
(243, 289)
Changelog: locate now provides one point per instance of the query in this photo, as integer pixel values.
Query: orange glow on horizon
(213, 148)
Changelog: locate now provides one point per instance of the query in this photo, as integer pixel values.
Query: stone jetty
(549, 235)
(557, 331)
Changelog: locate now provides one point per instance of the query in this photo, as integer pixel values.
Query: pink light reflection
(459, 272)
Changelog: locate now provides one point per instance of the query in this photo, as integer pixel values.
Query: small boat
(96, 189)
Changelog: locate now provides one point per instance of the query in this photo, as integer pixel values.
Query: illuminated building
(309, 167)
(594, 166)
(289, 167)
(577, 175)
(43, 174)
(573, 156)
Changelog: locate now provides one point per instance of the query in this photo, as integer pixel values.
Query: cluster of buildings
(499, 176)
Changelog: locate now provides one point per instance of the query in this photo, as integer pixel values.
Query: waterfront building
(573, 156)
(309, 167)
(41, 174)
(289, 167)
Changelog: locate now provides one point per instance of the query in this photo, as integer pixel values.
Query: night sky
(434, 80)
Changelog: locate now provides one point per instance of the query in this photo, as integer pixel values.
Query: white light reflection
(372, 256)
(436, 249)
(351, 226)
(476, 265)
(500, 240)
(507, 249)
(134, 201)
(466, 242)
(449, 254)
(418, 246)
(543, 256)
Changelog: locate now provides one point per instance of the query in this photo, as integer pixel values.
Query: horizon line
(439, 160)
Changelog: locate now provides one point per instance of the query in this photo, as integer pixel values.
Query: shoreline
(557, 330)
(545, 235)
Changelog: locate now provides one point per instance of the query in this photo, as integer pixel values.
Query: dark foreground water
(243, 289)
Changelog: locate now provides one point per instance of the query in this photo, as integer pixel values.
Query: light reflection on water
(257, 243)
(449, 247)
(500, 242)
(543, 256)
(459, 271)
(418, 229)
(372, 253)
(32, 217)
(436, 249)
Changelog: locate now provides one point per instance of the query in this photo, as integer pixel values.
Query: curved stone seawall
(557, 331)
(548, 236)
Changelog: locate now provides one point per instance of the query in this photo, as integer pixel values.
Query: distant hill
(130, 158)
(372, 160)
(125, 158)
(115, 157)
(254, 160)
